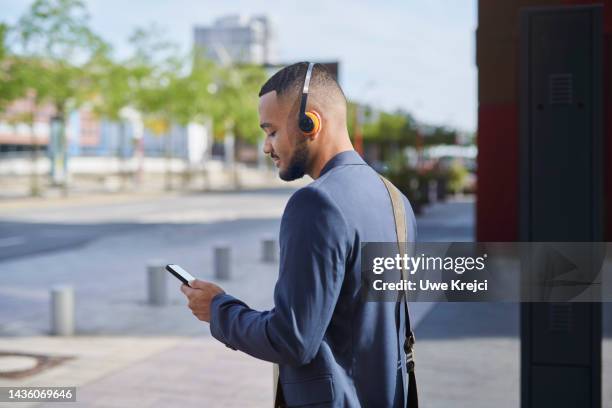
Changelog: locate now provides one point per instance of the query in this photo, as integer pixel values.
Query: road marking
(11, 241)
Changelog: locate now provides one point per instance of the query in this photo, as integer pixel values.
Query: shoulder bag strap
(399, 214)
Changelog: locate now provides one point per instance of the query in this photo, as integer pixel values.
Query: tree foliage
(58, 58)
(58, 49)
(12, 82)
(398, 127)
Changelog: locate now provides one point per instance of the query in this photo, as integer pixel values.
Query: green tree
(55, 39)
(440, 135)
(112, 89)
(112, 94)
(235, 108)
(17, 76)
(159, 91)
(11, 83)
(234, 112)
(192, 95)
(391, 131)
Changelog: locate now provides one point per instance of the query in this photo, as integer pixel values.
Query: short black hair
(292, 78)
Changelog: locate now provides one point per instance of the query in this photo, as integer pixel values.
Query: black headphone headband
(305, 89)
(305, 123)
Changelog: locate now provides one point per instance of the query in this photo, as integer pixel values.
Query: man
(333, 348)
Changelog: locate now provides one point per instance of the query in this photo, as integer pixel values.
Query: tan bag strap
(399, 214)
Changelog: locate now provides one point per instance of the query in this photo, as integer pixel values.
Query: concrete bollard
(62, 311)
(268, 248)
(222, 257)
(157, 278)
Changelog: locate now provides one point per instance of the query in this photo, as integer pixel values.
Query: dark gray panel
(567, 388)
(561, 133)
(561, 333)
(561, 194)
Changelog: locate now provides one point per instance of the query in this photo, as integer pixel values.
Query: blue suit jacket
(333, 349)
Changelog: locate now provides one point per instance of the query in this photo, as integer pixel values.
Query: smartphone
(180, 273)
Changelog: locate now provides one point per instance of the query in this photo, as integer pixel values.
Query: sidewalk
(122, 355)
(467, 354)
(149, 372)
(101, 176)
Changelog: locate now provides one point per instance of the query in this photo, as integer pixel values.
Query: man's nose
(267, 146)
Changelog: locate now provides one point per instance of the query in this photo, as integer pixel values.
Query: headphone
(308, 122)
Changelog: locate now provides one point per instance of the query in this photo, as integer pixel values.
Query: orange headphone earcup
(316, 123)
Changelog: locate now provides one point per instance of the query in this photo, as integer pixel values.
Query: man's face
(285, 144)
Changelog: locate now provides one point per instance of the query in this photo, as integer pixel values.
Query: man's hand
(200, 294)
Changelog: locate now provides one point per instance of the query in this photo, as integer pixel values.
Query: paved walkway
(467, 354)
(151, 372)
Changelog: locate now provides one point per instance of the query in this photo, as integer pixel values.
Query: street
(101, 246)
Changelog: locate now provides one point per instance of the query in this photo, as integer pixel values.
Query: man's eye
(272, 134)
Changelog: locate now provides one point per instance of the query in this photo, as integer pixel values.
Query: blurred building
(236, 39)
(86, 134)
(16, 133)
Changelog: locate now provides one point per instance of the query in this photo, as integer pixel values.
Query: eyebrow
(265, 125)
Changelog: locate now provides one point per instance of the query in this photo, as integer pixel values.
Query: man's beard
(299, 161)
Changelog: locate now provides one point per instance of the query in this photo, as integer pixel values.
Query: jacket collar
(342, 159)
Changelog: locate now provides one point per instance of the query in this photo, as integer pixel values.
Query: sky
(416, 55)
